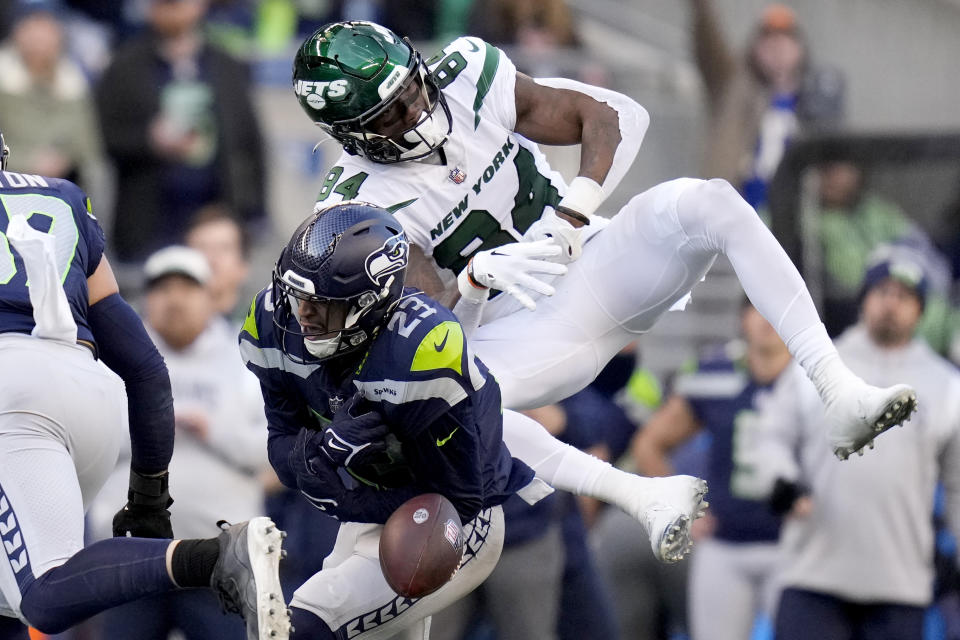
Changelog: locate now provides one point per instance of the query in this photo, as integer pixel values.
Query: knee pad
(713, 205)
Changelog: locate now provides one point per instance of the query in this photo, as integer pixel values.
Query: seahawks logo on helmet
(390, 258)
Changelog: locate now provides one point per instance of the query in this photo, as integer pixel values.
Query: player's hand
(317, 476)
(146, 513)
(356, 434)
(513, 267)
(552, 227)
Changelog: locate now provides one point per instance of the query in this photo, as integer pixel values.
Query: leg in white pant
(644, 263)
(353, 598)
(728, 586)
(648, 259)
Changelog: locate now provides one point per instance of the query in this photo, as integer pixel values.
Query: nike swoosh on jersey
(441, 442)
(443, 343)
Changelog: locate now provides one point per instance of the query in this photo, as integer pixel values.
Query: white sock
(566, 467)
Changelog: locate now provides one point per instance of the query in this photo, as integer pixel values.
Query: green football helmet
(347, 74)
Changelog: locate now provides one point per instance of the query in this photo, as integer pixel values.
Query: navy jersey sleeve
(285, 411)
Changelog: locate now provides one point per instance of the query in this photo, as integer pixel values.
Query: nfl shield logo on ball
(452, 533)
(420, 516)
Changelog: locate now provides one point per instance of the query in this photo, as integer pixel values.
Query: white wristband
(584, 196)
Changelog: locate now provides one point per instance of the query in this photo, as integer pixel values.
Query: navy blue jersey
(419, 374)
(723, 398)
(60, 208)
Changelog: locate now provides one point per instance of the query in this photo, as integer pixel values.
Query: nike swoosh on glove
(354, 439)
(317, 477)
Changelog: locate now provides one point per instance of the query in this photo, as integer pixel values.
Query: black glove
(146, 513)
(317, 476)
(355, 436)
(784, 495)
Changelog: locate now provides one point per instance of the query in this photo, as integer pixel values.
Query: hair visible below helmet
(351, 254)
(348, 73)
(4, 153)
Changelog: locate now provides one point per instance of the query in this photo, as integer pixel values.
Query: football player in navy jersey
(732, 570)
(62, 417)
(373, 397)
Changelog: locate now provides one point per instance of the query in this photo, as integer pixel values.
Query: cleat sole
(896, 412)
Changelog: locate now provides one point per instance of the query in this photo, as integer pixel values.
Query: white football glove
(552, 227)
(510, 268)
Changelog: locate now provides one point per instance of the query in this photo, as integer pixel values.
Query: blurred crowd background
(838, 121)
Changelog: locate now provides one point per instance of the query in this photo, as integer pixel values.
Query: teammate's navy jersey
(724, 398)
(60, 208)
(417, 369)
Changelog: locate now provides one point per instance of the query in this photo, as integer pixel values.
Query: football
(421, 545)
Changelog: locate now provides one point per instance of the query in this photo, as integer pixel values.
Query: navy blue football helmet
(339, 277)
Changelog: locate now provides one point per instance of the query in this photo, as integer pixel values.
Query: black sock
(193, 561)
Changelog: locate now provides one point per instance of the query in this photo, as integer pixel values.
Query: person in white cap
(220, 450)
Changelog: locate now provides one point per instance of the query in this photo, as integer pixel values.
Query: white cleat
(246, 578)
(861, 412)
(671, 506)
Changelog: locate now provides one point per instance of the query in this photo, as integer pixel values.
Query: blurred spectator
(530, 24)
(179, 124)
(731, 569)
(215, 233)
(858, 549)
(759, 102)
(648, 597)
(219, 463)
(852, 222)
(46, 108)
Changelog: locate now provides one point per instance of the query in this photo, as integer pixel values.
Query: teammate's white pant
(645, 261)
(62, 418)
(729, 584)
(351, 591)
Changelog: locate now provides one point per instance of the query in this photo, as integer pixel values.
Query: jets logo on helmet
(388, 259)
(315, 93)
(348, 74)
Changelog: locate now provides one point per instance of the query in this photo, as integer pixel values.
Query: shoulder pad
(466, 58)
(254, 322)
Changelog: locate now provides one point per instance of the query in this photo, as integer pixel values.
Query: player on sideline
(372, 397)
(449, 145)
(62, 417)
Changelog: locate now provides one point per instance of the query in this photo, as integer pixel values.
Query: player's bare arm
(563, 117)
(102, 283)
(671, 425)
